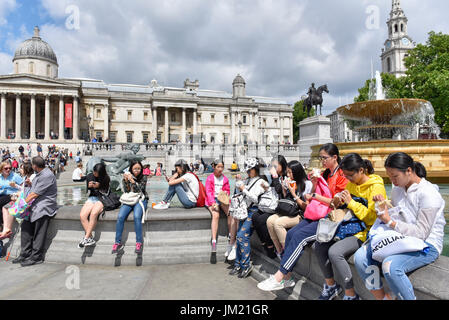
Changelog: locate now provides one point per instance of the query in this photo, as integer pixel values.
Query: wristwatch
(314, 195)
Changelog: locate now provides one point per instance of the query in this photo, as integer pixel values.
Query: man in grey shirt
(34, 232)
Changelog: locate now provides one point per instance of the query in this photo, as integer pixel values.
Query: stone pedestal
(313, 131)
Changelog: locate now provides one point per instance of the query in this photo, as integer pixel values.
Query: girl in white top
(183, 184)
(422, 217)
(252, 189)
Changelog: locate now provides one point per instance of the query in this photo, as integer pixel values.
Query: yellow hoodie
(373, 187)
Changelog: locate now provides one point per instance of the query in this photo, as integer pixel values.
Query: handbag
(317, 210)
(390, 242)
(239, 208)
(110, 200)
(268, 202)
(20, 209)
(288, 207)
(223, 197)
(131, 198)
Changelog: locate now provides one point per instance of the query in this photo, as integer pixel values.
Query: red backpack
(201, 200)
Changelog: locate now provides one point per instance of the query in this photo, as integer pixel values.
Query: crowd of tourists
(341, 212)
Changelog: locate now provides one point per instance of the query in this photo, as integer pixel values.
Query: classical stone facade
(340, 131)
(33, 108)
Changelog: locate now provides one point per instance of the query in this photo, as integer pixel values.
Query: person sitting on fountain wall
(27, 174)
(183, 184)
(363, 183)
(329, 156)
(251, 189)
(215, 183)
(422, 216)
(277, 223)
(133, 181)
(78, 175)
(96, 181)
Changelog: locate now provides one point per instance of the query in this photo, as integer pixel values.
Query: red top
(337, 182)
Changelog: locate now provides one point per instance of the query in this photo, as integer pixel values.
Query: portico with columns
(33, 108)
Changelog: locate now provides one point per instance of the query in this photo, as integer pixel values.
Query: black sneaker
(30, 262)
(235, 271)
(245, 272)
(19, 259)
(81, 243)
(89, 242)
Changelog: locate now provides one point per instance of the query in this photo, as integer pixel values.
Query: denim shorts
(93, 199)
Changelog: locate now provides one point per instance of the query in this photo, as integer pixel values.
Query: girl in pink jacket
(215, 183)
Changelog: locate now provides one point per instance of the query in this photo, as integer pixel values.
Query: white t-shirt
(77, 173)
(194, 186)
(218, 185)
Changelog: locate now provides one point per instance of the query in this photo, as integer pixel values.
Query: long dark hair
(299, 174)
(353, 162)
(133, 163)
(184, 167)
(402, 161)
(332, 150)
(283, 162)
(103, 176)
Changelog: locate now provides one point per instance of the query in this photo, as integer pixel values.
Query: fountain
(385, 126)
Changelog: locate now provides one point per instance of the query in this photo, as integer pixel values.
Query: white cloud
(6, 6)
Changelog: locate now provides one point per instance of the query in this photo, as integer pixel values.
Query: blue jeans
(182, 195)
(123, 214)
(394, 268)
(243, 248)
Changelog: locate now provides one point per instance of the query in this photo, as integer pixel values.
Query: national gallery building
(38, 106)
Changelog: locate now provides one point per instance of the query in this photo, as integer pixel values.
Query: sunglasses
(7, 169)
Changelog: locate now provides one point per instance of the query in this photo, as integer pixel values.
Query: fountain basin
(433, 154)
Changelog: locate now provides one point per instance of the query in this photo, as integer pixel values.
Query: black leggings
(260, 224)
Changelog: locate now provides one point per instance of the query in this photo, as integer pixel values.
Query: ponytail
(420, 170)
(368, 166)
(353, 162)
(402, 161)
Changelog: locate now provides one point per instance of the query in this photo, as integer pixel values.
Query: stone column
(251, 127)
(257, 127)
(166, 135)
(232, 127)
(291, 130)
(33, 117)
(61, 117)
(183, 135)
(18, 117)
(75, 115)
(154, 124)
(3, 116)
(195, 117)
(281, 136)
(47, 117)
(106, 122)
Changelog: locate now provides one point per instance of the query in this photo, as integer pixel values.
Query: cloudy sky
(278, 46)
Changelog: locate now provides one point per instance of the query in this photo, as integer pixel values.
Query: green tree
(298, 116)
(427, 77)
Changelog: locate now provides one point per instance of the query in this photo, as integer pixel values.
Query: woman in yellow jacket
(363, 183)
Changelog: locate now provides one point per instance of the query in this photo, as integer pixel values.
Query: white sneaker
(289, 283)
(228, 250)
(162, 206)
(233, 254)
(271, 284)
